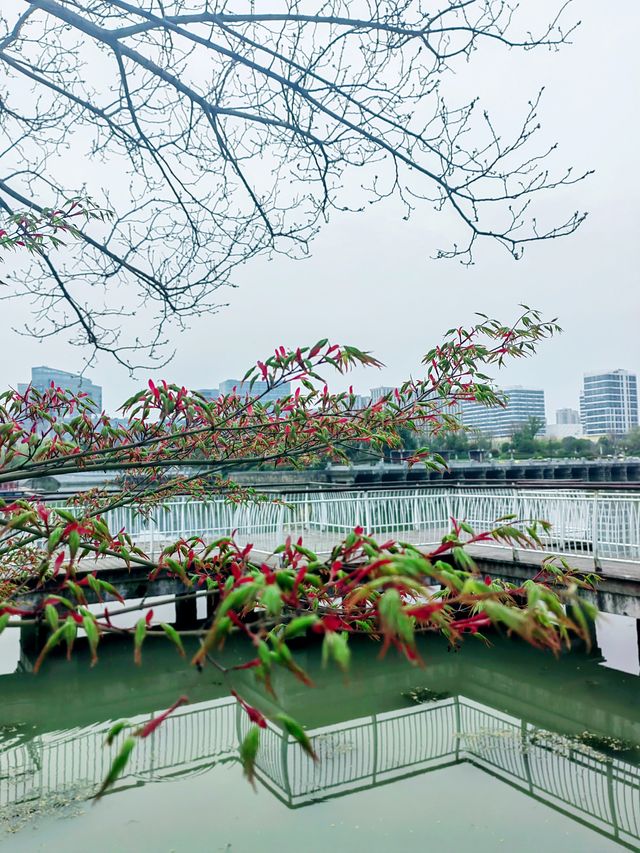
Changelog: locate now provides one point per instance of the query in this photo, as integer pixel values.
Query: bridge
(596, 530)
(601, 529)
(579, 471)
(621, 472)
(536, 751)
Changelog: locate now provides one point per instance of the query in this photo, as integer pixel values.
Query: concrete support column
(186, 612)
(595, 650)
(32, 639)
(212, 603)
(619, 473)
(496, 474)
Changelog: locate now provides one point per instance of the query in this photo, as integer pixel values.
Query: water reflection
(618, 639)
(566, 733)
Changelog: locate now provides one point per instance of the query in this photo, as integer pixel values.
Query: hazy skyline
(369, 280)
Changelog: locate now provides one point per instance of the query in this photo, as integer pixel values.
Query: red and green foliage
(46, 228)
(175, 442)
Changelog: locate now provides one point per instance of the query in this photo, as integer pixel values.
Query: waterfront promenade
(595, 531)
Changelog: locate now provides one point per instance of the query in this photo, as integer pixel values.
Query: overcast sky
(370, 281)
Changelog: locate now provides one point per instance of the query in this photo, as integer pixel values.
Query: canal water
(484, 749)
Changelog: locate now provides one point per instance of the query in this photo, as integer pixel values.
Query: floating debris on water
(419, 695)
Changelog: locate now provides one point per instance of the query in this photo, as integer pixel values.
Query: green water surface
(485, 749)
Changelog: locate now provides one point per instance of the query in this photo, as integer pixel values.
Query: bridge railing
(602, 525)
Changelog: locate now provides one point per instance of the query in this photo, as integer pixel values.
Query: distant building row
(608, 406)
(260, 388)
(608, 402)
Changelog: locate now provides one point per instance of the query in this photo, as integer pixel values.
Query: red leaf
(152, 725)
(254, 715)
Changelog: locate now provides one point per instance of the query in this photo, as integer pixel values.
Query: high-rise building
(209, 393)
(259, 389)
(361, 401)
(609, 402)
(567, 416)
(381, 391)
(43, 377)
(502, 422)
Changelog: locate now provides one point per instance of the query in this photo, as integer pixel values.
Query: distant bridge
(615, 472)
(578, 471)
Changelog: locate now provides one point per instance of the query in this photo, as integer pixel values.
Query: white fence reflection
(601, 525)
(600, 791)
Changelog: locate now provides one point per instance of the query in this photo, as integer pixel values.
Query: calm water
(484, 749)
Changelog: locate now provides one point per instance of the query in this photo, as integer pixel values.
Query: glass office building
(609, 403)
(42, 378)
(259, 389)
(567, 416)
(380, 392)
(502, 422)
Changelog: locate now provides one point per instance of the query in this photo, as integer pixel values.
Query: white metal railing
(592, 523)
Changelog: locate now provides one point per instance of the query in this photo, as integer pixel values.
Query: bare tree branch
(218, 134)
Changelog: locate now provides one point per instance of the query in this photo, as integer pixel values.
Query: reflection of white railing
(602, 792)
(598, 524)
(72, 763)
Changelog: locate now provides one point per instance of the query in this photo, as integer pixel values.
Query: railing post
(594, 532)
(516, 513)
(152, 524)
(374, 760)
(449, 507)
(284, 764)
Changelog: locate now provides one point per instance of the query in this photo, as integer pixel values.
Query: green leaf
(107, 587)
(285, 579)
(64, 513)
(4, 621)
(336, 645)
(51, 615)
(534, 593)
(118, 765)
(296, 731)
(70, 629)
(271, 599)
(248, 752)
(74, 543)
(173, 635)
(54, 539)
(140, 632)
(115, 730)
(94, 583)
(389, 608)
(93, 636)
(300, 625)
